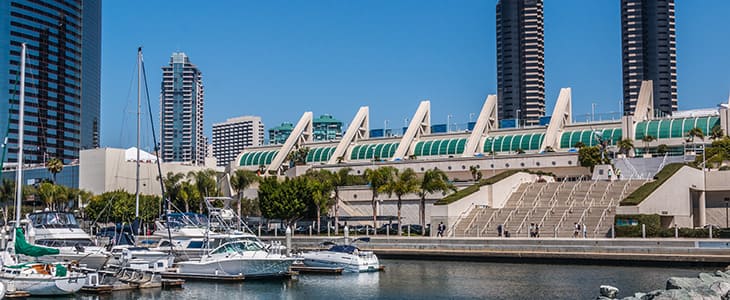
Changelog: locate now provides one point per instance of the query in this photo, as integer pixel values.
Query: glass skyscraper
(63, 76)
(181, 111)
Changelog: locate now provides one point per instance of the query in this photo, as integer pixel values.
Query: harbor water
(418, 279)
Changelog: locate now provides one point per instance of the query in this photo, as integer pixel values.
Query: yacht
(346, 256)
(60, 230)
(241, 257)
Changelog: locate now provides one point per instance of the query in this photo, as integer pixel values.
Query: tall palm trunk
(375, 212)
(318, 227)
(422, 209)
(337, 208)
(400, 227)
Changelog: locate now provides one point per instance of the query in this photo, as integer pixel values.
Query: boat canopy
(187, 219)
(53, 219)
(344, 248)
(22, 247)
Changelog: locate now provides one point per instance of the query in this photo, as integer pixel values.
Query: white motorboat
(38, 279)
(242, 257)
(60, 230)
(346, 256)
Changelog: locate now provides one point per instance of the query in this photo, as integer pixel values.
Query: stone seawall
(608, 251)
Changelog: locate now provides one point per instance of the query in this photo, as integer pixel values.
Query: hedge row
(645, 190)
(654, 229)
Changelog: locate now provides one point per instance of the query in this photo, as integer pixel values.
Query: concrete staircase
(555, 207)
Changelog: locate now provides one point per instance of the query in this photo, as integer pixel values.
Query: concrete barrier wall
(673, 198)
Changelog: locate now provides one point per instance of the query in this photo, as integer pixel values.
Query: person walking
(441, 230)
(618, 174)
(576, 229)
(499, 230)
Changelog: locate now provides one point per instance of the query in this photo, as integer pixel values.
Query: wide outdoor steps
(555, 207)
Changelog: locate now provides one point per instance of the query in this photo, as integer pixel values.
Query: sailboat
(35, 278)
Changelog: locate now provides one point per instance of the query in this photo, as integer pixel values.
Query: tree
(590, 156)
(47, 193)
(432, 181)
(339, 179)
(579, 145)
(55, 166)
(206, 184)
(377, 178)
(520, 151)
(284, 200)
(400, 184)
(662, 149)
(695, 132)
(173, 184)
(7, 192)
(240, 181)
(475, 174)
(187, 194)
(647, 139)
(321, 191)
(549, 149)
(625, 146)
(717, 133)
(298, 156)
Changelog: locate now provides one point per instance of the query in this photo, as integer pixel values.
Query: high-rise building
(63, 77)
(649, 52)
(279, 134)
(327, 128)
(181, 111)
(520, 61)
(234, 135)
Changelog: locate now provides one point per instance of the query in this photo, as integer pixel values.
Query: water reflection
(404, 279)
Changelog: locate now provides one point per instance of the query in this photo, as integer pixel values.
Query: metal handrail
(452, 228)
(603, 216)
(471, 222)
(572, 191)
(484, 229)
(581, 220)
(532, 210)
(553, 202)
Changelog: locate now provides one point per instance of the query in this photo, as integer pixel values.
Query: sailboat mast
(21, 118)
(139, 125)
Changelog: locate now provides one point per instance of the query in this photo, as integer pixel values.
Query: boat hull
(45, 286)
(90, 260)
(248, 267)
(348, 262)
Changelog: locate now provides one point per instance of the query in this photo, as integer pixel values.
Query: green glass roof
(506, 143)
(440, 147)
(674, 128)
(372, 151)
(588, 137)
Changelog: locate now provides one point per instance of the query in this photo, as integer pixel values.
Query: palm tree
(7, 192)
(692, 134)
(647, 139)
(433, 181)
(716, 133)
(240, 181)
(377, 178)
(173, 184)
(55, 166)
(339, 179)
(475, 174)
(625, 146)
(206, 184)
(401, 184)
(187, 193)
(321, 191)
(47, 192)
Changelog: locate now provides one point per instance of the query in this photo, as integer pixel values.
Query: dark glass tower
(520, 61)
(649, 52)
(63, 76)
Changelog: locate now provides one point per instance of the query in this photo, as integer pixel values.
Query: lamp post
(727, 201)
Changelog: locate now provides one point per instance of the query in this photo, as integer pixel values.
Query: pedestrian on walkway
(576, 229)
(499, 230)
(441, 230)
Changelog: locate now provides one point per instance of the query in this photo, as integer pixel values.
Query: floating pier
(202, 277)
(316, 270)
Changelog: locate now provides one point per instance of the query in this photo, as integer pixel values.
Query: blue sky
(277, 59)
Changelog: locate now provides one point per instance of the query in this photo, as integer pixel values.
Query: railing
(588, 192)
(553, 201)
(489, 221)
(603, 216)
(582, 218)
(572, 191)
(605, 192)
(532, 210)
(477, 215)
(471, 207)
(452, 228)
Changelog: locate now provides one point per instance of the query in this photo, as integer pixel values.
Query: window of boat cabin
(54, 220)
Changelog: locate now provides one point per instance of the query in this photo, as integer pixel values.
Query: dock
(16, 294)
(173, 283)
(202, 277)
(302, 269)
